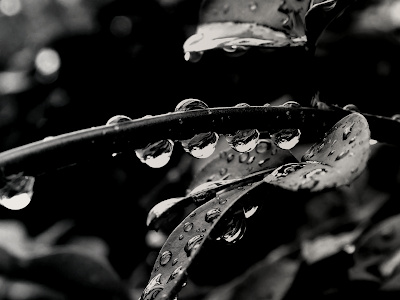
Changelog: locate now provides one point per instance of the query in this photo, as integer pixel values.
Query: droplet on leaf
(165, 257)
(152, 289)
(187, 226)
(118, 119)
(193, 244)
(351, 107)
(212, 214)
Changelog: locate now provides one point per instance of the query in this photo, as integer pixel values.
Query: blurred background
(67, 65)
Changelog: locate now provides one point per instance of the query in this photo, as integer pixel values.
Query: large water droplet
(291, 104)
(17, 191)
(202, 145)
(249, 211)
(243, 140)
(165, 258)
(342, 154)
(118, 119)
(396, 117)
(190, 104)
(253, 6)
(193, 244)
(187, 226)
(351, 107)
(235, 231)
(156, 155)
(193, 56)
(212, 214)
(287, 138)
(152, 289)
(347, 131)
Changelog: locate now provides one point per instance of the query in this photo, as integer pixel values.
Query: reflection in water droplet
(165, 258)
(347, 131)
(331, 152)
(253, 6)
(249, 211)
(230, 157)
(287, 138)
(212, 214)
(174, 262)
(152, 289)
(243, 140)
(243, 157)
(223, 171)
(290, 104)
(202, 145)
(251, 159)
(156, 155)
(342, 154)
(190, 104)
(285, 170)
(352, 139)
(181, 237)
(263, 146)
(193, 244)
(175, 273)
(187, 226)
(235, 231)
(193, 56)
(118, 119)
(17, 191)
(350, 107)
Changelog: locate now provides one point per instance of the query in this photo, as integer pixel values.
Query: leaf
(73, 273)
(185, 242)
(231, 164)
(336, 160)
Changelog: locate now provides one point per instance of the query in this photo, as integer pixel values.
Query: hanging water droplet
(175, 261)
(342, 154)
(331, 152)
(249, 211)
(351, 107)
(175, 273)
(187, 226)
(243, 157)
(118, 119)
(235, 231)
(291, 104)
(193, 244)
(243, 140)
(251, 159)
(194, 56)
(152, 289)
(165, 258)
(230, 157)
(347, 132)
(396, 117)
(156, 155)
(263, 146)
(287, 138)
(253, 6)
(202, 145)
(17, 191)
(212, 214)
(180, 237)
(223, 171)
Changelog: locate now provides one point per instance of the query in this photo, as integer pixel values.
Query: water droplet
(372, 142)
(118, 119)
(17, 191)
(211, 178)
(263, 146)
(396, 117)
(49, 138)
(251, 159)
(243, 140)
(308, 183)
(249, 211)
(175, 273)
(291, 104)
(285, 170)
(315, 172)
(347, 131)
(243, 157)
(287, 138)
(354, 170)
(334, 142)
(193, 244)
(156, 155)
(192, 215)
(331, 152)
(198, 230)
(342, 154)
(175, 261)
(320, 147)
(240, 188)
(194, 56)
(184, 284)
(352, 139)
(165, 258)
(261, 162)
(253, 6)
(223, 171)
(351, 107)
(190, 104)
(235, 230)
(222, 201)
(230, 157)
(152, 289)
(212, 214)
(274, 151)
(202, 145)
(203, 230)
(180, 237)
(187, 226)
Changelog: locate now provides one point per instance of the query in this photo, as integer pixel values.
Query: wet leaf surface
(336, 160)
